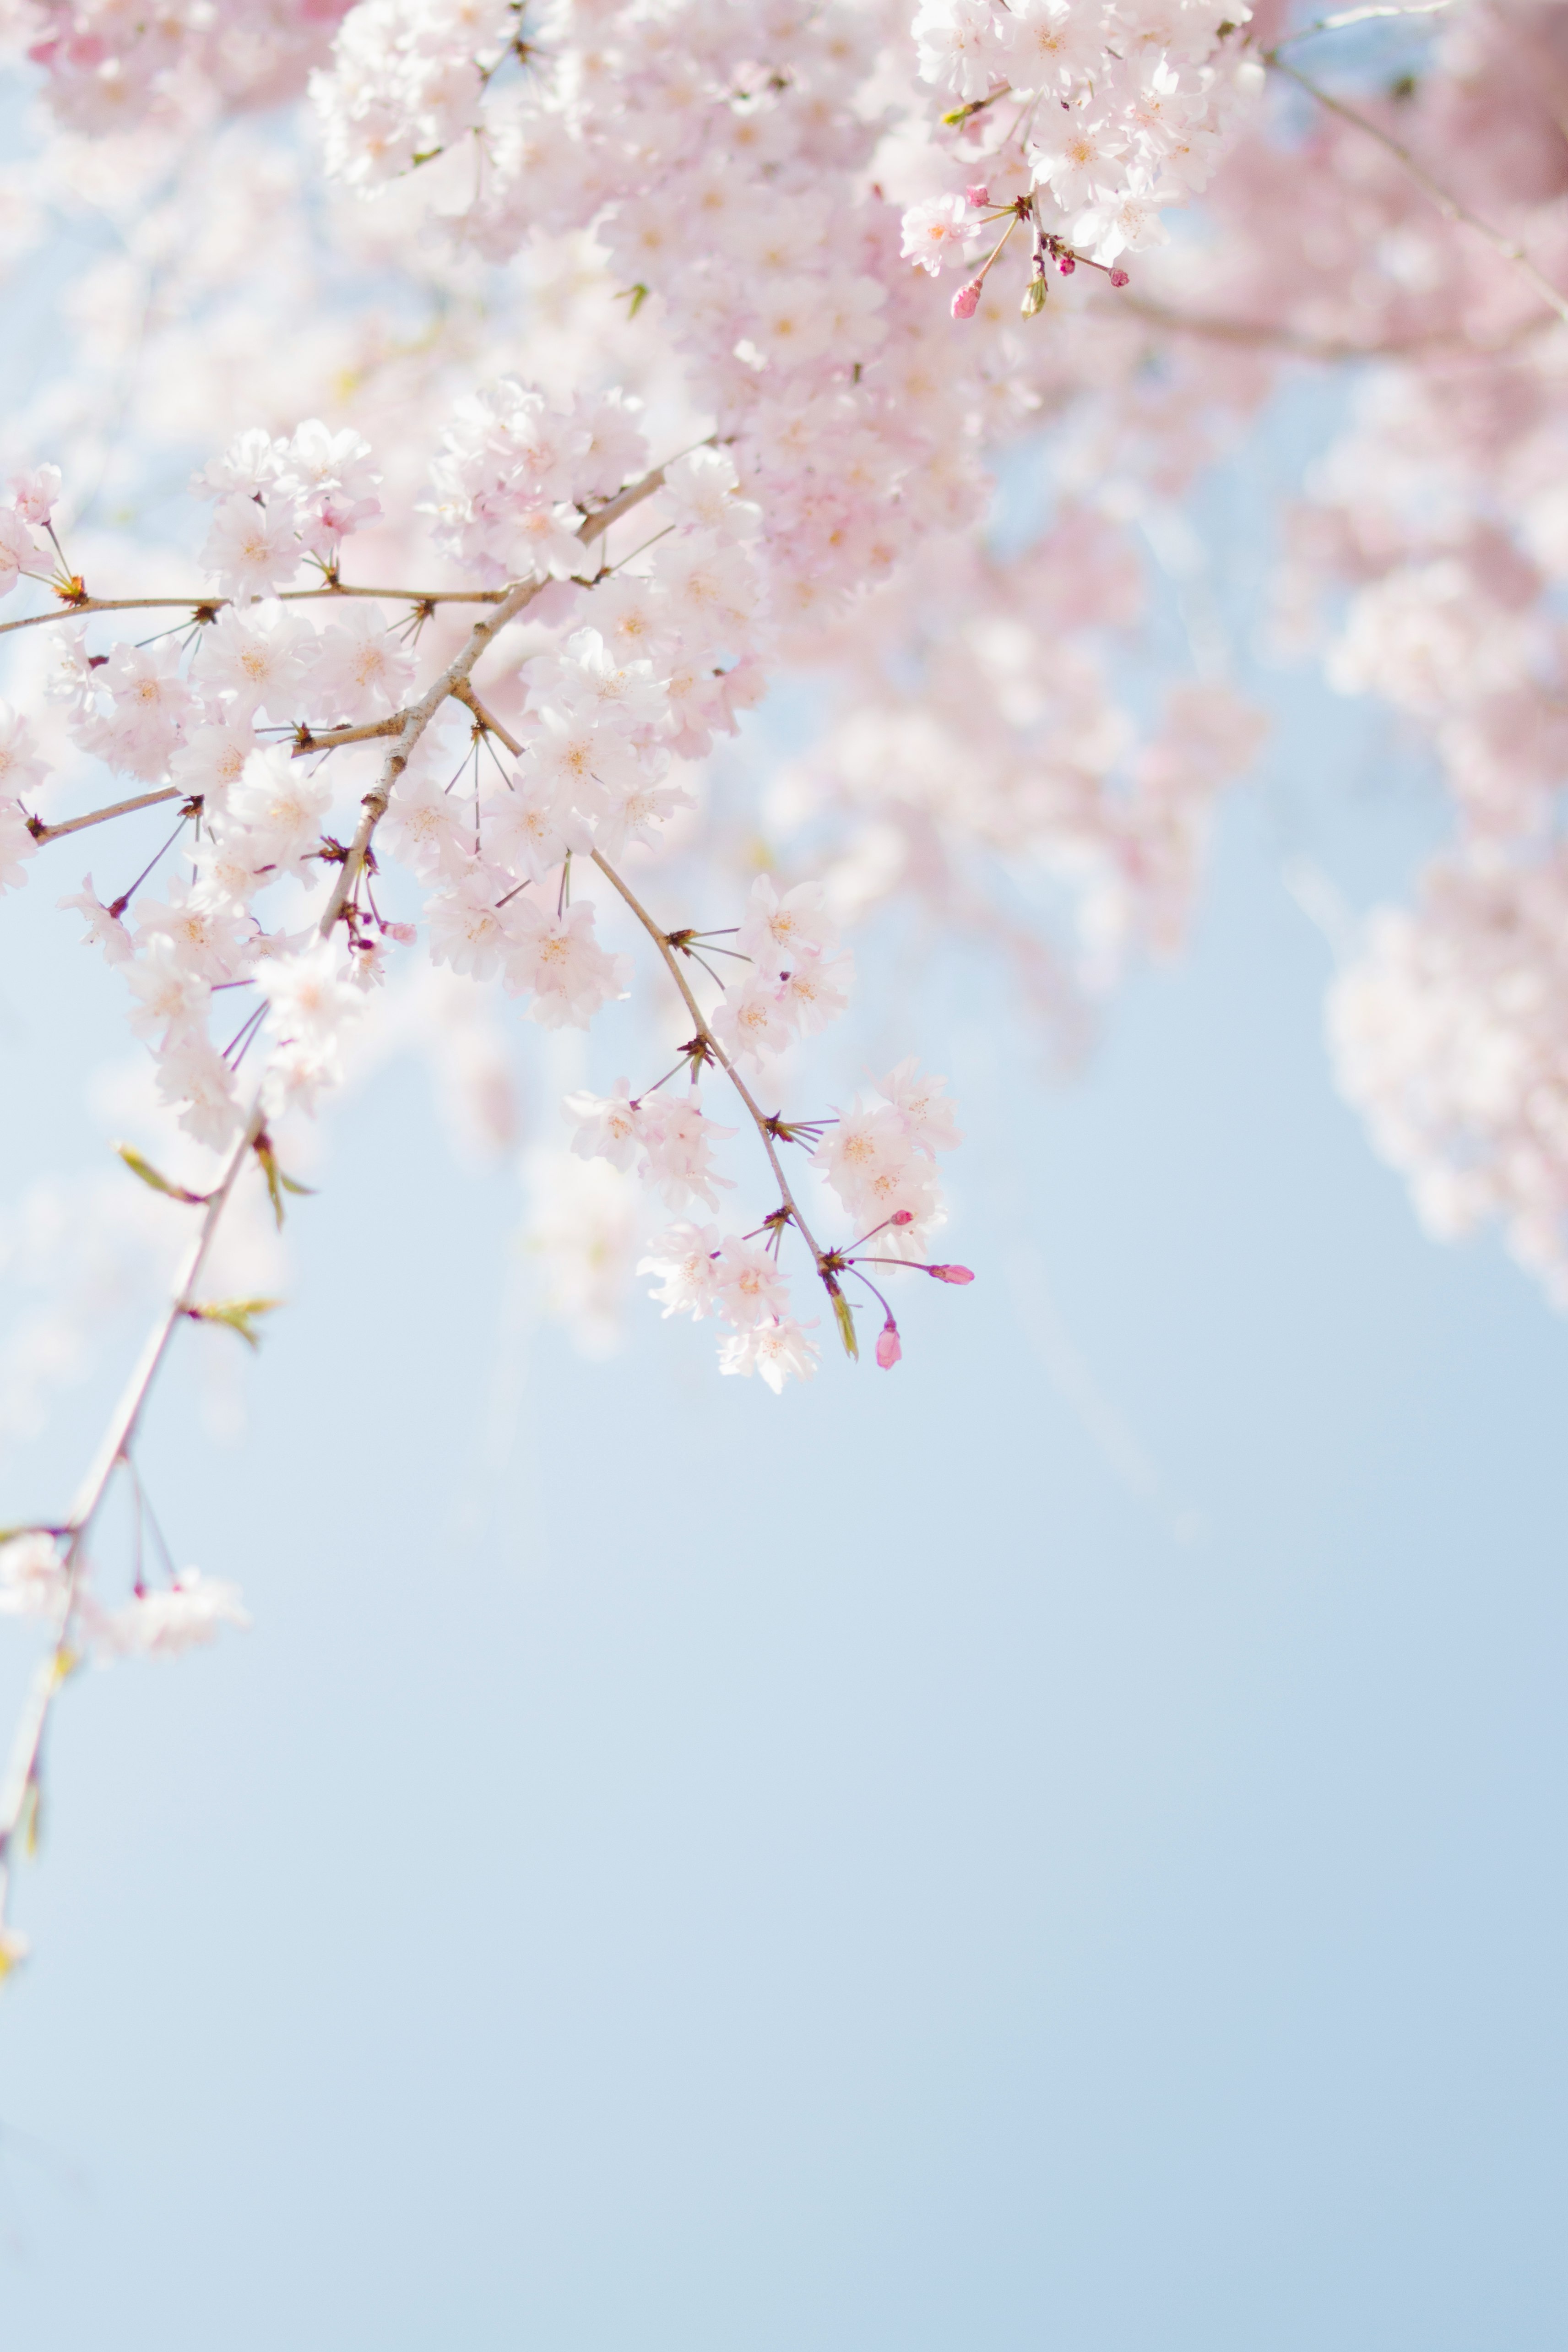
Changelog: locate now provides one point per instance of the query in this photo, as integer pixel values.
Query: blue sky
(1052, 1846)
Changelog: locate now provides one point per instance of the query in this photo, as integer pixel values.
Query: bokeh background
(1059, 1845)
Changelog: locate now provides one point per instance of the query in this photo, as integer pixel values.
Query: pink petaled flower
(36, 493)
(1119, 277)
(888, 1350)
(17, 552)
(966, 299)
(977, 197)
(934, 230)
(950, 1272)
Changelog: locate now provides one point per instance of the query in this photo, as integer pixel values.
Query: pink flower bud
(1067, 265)
(888, 1351)
(977, 197)
(403, 933)
(902, 1217)
(966, 299)
(1118, 277)
(950, 1272)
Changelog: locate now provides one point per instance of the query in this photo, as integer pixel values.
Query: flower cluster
(245, 713)
(879, 1160)
(279, 503)
(733, 217)
(1105, 113)
(182, 1612)
(1450, 1033)
(107, 63)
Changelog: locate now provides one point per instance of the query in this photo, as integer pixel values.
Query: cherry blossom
(560, 386)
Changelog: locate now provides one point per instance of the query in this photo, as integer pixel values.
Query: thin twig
(1260, 334)
(464, 694)
(1358, 17)
(76, 607)
(47, 833)
(53, 1669)
(759, 1118)
(306, 739)
(417, 717)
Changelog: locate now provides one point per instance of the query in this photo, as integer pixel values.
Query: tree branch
(594, 527)
(464, 694)
(1358, 17)
(1260, 334)
(76, 607)
(759, 1120)
(1450, 206)
(43, 834)
(19, 1785)
(22, 1768)
(452, 678)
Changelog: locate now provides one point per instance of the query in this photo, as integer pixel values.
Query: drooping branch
(18, 1790)
(661, 939)
(464, 693)
(1449, 205)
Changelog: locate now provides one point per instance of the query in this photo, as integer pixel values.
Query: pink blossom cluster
(1450, 1033)
(1106, 114)
(751, 447)
(239, 714)
(878, 1158)
(156, 1620)
(111, 60)
(704, 208)
(279, 503)
(1111, 111)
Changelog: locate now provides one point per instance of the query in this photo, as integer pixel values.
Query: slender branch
(75, 607)
(464, 694)
(22, 1769)
(47, 833)
(1450, 206)
(417, 717)
(1255, 333)
(1358, 17)
(1260, 334)
(662, 941)
(306, 741)
(53, 1669)
(411, 725)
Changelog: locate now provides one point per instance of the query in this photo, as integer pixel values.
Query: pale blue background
(843, 1872)
(1058, 1847)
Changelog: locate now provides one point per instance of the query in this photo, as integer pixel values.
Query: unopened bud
(977, 197)
(403, 933)
(950, 1272)
(1118, 277)
(888, 1350)
(966, 299)
(902, 1217)
(1067, 265)
(1033, 301)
